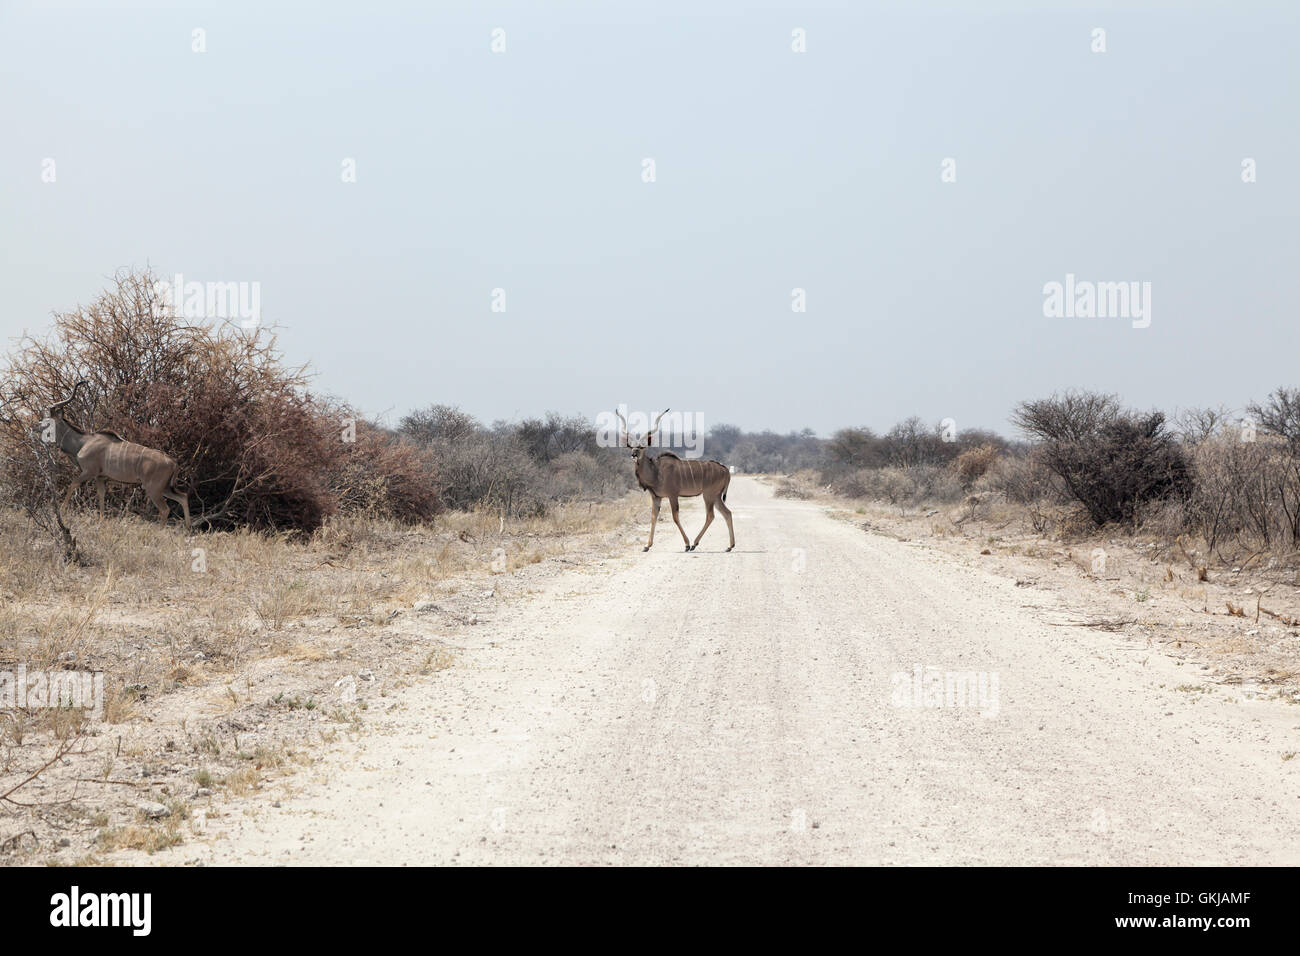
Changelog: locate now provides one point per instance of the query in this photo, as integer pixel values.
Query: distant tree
(1195, 425)
(980, 437)
(1279, 414)
(1066, 417)
(745, 456)
(438, 423)
(722, 439)
(911, 443)
(548, 439)
(852, 448)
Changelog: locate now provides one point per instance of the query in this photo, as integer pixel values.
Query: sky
(921, 171)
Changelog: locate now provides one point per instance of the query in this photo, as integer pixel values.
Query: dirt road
(743, 708)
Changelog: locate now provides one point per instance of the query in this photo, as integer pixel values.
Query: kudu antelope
(105, 455)
(671, 477)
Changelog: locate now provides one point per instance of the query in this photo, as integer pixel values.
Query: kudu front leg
(672, 503)
(654, 517)
(72, 488)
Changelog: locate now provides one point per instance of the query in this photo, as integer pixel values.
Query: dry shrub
(516, 470)
(1110, 461)
(380, 476)
(488, 470)
(972, 464)
(858, 483)
(254, 447)
(791, 488)
(584, 475)
(1025, 479)
(1247, 492)
(934, 484)
(901, 486)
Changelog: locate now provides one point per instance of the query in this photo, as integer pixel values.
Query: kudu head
(61, 429)
(639, 450)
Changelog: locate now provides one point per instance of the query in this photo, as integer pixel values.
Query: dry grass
(155, 599)
(149, 839)
(222, 652)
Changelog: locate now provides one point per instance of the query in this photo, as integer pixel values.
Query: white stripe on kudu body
(670, 477)
(122, 460)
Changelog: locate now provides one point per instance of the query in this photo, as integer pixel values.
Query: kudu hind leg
(180, 497)
(708, 520)
(726, 513)
(157, 496)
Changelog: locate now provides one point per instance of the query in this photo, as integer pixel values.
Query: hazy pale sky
(523, 170)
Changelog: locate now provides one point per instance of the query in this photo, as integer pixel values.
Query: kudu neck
(647, 470)
(67, 437)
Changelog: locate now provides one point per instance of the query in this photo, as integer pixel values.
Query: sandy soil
(745, 708)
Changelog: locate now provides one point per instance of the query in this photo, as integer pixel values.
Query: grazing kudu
(671, 477)
(105, 455)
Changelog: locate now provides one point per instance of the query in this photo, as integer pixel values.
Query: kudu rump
(670, 477)
(105, 455)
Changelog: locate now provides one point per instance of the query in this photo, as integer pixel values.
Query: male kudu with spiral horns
(671, 477)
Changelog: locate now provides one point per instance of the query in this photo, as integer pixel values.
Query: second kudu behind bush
(105, 455)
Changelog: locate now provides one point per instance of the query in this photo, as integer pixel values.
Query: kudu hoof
(645, 549)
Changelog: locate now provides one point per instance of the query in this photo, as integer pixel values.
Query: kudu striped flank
(104, 456)
(671, 477)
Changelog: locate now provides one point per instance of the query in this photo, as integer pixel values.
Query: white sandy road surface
(740, 708)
